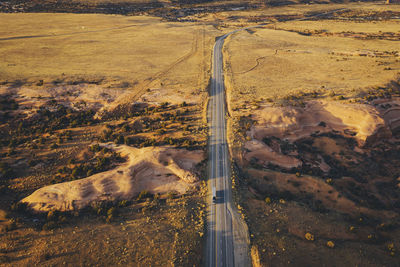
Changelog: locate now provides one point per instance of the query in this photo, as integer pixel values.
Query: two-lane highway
(220, 245)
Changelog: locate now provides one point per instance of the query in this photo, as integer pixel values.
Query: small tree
(54, 146)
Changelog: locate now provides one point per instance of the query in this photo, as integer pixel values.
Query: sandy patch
(82, 95)
(365, 123)
(156, 170)
(292, 123)
(266, 155)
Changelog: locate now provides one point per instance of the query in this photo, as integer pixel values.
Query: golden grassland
(104, 48)
(268, 63)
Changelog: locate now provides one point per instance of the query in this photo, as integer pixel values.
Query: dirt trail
(140, 88)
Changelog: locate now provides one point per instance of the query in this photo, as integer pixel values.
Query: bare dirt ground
(314, 108)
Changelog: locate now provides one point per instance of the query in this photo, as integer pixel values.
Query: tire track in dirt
(255, 66)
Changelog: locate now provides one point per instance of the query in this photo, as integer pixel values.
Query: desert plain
(104, 131)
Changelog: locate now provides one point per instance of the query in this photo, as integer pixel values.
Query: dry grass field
(120, 52)
(46, 46)
(333, 55)
(69, 82)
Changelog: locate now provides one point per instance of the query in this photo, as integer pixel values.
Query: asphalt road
(227, 236)
(220, 242)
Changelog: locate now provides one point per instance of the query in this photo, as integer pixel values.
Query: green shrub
(19, 206)
(99, 210)
(12, 143)
(95, 148)
(105, 150)
(5, 170)
(125, 128)
(164, 105)
(160, 131)
(11, 226)
(54, 146)
(111, 211)
(89, 172)
(123, 203)
(119, 139)
(11, 152)
(127, 140)
(33, 146)
(143, 195)
(49, 225)
(52, 215)
(4, 259)
(107, 134)
(75, 173)
(171, 195)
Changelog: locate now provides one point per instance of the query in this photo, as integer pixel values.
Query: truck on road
(214, 195)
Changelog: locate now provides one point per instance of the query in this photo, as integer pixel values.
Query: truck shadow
(220, 197)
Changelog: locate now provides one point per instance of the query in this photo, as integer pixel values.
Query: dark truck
(214, 195)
